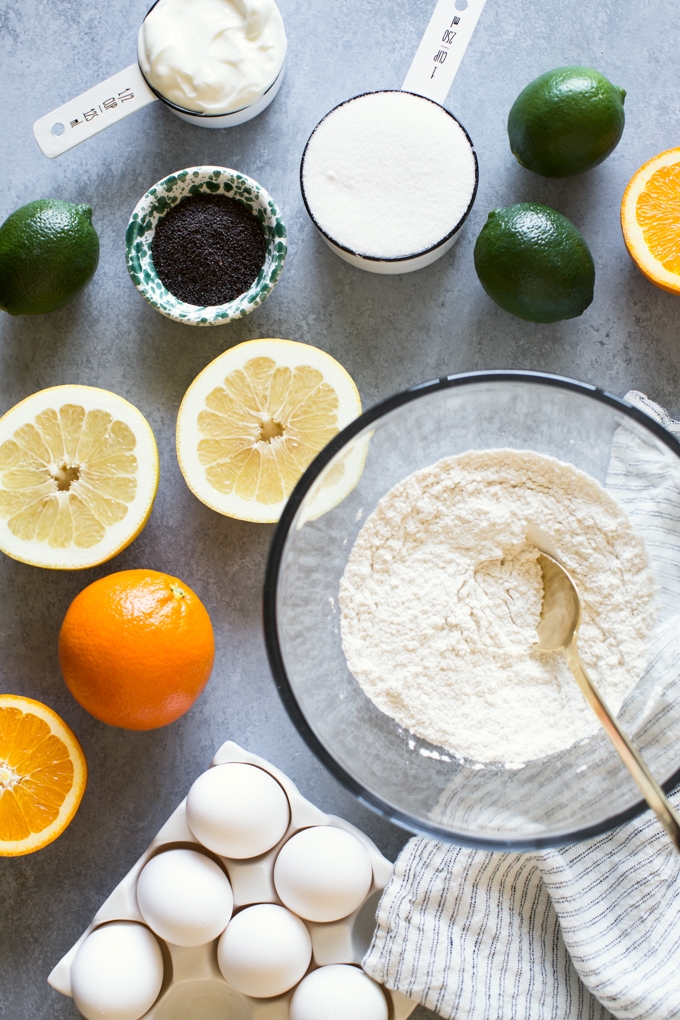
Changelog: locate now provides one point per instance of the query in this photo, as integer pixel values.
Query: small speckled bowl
(209, 180)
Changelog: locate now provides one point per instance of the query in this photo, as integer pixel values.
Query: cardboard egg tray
(193, 987)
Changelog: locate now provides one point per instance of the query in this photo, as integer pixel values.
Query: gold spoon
(560, 619)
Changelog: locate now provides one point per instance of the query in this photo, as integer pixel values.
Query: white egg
(237, 810)
(338, 992)
(323, 873)
(264, 951)
(117, 973)
(185, 897)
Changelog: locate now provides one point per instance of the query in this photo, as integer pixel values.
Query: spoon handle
(629, 755)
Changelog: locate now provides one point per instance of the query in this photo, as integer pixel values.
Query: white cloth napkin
(583, 932)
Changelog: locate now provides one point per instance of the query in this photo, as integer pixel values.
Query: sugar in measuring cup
(214, 63)
(389, 177)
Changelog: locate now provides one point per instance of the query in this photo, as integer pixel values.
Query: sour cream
(212, 56)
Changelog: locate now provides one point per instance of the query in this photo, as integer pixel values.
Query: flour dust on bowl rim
(574, 794)
(165, 195)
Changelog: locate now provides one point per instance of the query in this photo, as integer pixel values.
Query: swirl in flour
(442, 593)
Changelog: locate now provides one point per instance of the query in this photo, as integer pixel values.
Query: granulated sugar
(442, 594)
(388, 174)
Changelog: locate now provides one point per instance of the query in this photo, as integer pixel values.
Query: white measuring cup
(429, 78)
(119, 96)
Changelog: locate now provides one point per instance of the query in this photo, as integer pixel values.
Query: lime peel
(533, 262)
(49, 251)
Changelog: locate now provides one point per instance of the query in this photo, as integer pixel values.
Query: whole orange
(136, 649)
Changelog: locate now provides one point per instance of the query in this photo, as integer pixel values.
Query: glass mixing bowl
(571, 795)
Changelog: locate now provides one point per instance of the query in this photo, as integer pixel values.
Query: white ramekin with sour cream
(214, 63)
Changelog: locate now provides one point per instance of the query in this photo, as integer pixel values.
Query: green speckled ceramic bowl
(211, 180)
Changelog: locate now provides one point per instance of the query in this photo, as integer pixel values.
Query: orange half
(43, 774)
(650, 219)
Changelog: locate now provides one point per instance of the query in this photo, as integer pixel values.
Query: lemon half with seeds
(255, 418)
(78, 477)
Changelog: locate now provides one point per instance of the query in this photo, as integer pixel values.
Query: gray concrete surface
(388, 332)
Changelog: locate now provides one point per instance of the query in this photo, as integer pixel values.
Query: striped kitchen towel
(583, 932)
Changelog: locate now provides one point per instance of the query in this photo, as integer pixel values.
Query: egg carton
(193, 987)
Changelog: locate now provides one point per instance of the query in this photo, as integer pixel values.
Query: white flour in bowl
(442, 594)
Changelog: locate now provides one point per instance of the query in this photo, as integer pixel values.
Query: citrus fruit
(566, 121)
(49, 250)
(532, 261)
(650, 212)
(78, 477)
(136, 649)
(42, 775)
(255, 418)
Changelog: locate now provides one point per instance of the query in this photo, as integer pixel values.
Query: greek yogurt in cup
(388, 179)
(214, 63)
(214, 58)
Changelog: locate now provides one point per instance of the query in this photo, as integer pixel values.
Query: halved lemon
(78, 477)
(650, 219)
(255, 418)
(43, 774)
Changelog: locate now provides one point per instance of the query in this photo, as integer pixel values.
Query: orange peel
(650, 219)
(43, 774)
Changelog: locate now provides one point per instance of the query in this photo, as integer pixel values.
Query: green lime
(566, 121)
(49, 250)
(532, 261)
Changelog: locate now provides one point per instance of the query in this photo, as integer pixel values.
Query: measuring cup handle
(88, 114)
(442, 48)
